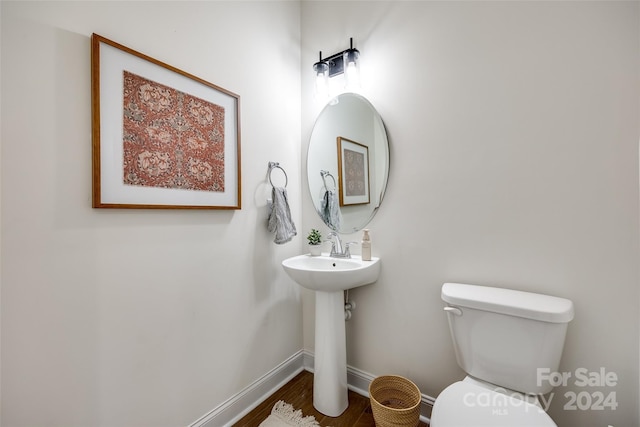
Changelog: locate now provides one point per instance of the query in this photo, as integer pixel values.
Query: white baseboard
(236, 407)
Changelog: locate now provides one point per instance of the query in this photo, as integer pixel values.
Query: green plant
(314, 237)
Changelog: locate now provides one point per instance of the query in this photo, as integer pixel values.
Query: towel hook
(324, 175)
(276, 165)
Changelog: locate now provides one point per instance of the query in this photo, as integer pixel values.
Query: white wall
(140, 317)
(514, 162)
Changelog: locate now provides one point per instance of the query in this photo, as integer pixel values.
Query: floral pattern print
(171, 139)
(355, 184)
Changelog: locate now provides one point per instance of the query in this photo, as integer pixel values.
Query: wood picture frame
(161, 138)
(353, 172)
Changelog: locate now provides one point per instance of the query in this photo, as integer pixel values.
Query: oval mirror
(348, 163)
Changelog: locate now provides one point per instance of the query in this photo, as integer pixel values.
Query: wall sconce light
(345, 62)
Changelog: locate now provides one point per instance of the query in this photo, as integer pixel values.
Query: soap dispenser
(366, 245)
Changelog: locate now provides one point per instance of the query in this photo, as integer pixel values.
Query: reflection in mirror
(348, 163)
(329, 204)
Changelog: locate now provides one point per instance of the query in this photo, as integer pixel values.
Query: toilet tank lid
(529, 305)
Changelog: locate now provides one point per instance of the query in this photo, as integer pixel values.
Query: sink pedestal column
(330, 377)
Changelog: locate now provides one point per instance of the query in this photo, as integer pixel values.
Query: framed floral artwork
(162, 138)
(353, 172)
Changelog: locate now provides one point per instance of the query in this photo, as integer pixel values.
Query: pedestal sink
(329, 277)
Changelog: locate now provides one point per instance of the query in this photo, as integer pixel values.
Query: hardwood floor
(299, 393)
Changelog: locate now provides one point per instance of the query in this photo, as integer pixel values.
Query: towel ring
(324, 175)
(276, 165)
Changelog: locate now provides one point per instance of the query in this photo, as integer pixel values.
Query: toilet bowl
(502, 338)
(469, 403)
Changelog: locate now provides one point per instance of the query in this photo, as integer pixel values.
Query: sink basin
(323, 273)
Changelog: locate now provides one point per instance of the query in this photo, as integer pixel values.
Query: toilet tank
(504, 336)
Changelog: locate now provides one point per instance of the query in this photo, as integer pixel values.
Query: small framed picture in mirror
(353, 172)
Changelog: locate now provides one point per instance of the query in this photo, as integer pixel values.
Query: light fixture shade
(351, 69)
(321, 69)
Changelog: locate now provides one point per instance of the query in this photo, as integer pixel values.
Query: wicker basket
(395, 401)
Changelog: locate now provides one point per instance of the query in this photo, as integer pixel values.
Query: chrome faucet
(338, 250)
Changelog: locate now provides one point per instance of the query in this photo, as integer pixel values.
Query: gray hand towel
(280, 221)
(330, 210)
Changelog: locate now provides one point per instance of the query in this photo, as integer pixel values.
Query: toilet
(502, 338)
